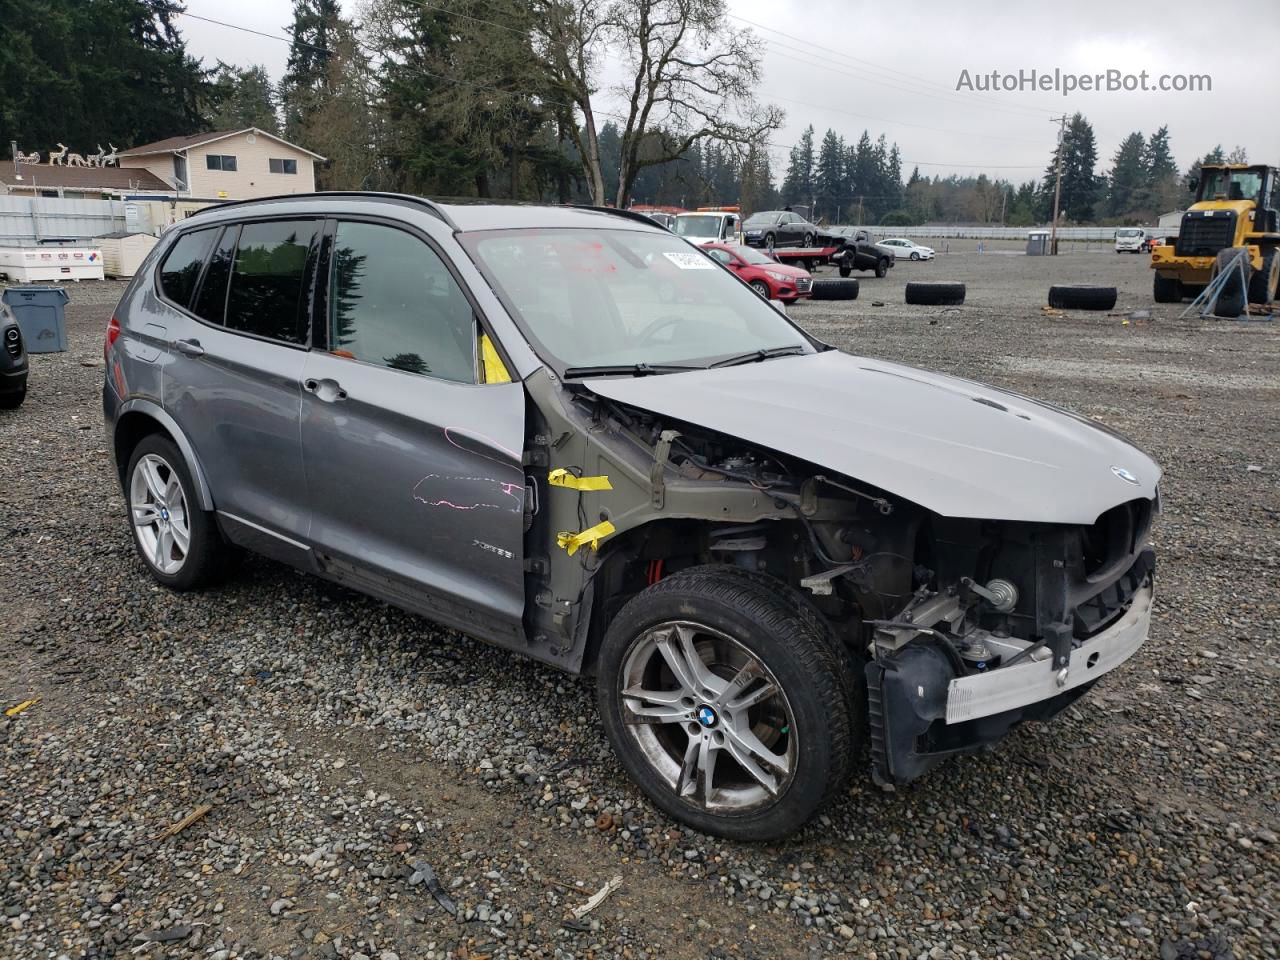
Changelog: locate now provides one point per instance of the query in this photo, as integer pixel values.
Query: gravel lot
(362, 765)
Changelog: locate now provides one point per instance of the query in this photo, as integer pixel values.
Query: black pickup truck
(858, 252)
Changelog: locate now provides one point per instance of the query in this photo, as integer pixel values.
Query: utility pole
(1004, 203)
(1057, 184)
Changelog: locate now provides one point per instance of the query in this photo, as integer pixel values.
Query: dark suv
(572, 434)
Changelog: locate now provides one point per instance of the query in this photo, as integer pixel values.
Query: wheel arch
(140, 418)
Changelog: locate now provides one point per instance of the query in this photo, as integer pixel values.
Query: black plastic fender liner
(906, 693)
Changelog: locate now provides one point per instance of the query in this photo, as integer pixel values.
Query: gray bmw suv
(569, 433)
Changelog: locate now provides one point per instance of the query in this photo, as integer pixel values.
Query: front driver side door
(413, 465)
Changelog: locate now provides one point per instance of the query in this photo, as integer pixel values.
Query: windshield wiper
(625, 369)
(757, 355)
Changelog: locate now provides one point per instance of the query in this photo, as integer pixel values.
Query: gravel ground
(380, 788)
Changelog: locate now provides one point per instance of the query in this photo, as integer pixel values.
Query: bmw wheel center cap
(707, 717)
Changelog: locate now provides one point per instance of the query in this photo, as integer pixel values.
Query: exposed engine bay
(918, 599)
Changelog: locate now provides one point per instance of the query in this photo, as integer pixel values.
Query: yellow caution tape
(589, 537)
(14, 711)
(563, 478)
(495, 371)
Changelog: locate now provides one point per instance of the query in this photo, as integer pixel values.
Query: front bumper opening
(924, 706)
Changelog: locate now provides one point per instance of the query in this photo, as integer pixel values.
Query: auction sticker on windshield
(690, 261)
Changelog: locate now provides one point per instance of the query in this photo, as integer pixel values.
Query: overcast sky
(892, 66)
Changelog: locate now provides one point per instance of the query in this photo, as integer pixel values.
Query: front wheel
(845, 270)
(914, 255)
(726, 705)
(762, 288)
(769, 242)
(882, 267)
(808, 240)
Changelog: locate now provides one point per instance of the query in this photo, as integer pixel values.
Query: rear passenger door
(413, 462)
(233, 378)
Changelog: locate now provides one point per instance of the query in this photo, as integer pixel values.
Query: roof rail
(432, 207)
(616, 211)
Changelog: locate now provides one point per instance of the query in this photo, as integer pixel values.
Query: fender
(157, 413)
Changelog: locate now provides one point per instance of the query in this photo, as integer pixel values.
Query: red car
(772, 280)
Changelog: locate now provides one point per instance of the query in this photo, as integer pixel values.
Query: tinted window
(214, 161)
(392, 302)
(181, 268)
(269, 280)
(211, 301)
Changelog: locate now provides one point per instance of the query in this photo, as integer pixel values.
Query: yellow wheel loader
(1235, 209)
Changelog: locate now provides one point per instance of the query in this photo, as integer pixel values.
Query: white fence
(995, 233)
(28, 220)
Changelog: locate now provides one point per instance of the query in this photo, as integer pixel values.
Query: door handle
(326, 389)
(190, 348)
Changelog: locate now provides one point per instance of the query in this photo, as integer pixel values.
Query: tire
(914, 255)
(1263, 282)
(845, 270)
(729, 621)
(1072, 297)
(207, 556)
(882, 267)
(13, 399)
(1189, 291)
(808, 240)
(1165, 290)
(830, 288)
(770, 241)
(1231, 299)
(935, 293)
(762, 288)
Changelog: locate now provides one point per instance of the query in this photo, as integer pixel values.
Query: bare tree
(692, 77)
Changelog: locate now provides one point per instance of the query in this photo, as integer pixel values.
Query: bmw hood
(955, 447)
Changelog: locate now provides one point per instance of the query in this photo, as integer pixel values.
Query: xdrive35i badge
(1124, 475)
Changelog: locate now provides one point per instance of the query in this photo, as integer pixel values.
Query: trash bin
(39, 312)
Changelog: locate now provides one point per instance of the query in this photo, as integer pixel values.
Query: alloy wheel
(709, 717)
(158, 510)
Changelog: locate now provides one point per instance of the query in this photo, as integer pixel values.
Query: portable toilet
(1037, 243)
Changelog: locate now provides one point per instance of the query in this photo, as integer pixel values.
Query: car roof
(461, 216)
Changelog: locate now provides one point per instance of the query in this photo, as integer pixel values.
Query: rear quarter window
(181, 267)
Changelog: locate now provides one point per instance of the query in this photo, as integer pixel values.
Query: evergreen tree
(241, 98)
(305, 84)
(798, 186)
(1128, 178)
(1163, 190)
(1081, 187)
(829, 186)
(85, 74)
(864, 181)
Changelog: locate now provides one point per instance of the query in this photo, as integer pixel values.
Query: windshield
(622, 297)
(1230, 184)
(1128, 233)
(698, 226)
(762, 219)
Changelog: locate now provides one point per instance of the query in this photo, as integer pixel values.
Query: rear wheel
(726, 705)
(769, 242)
(1166, 290)
(179, 542)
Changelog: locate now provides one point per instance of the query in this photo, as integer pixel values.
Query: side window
(268, 295)
(392, 302)
(181, 268)
(211, 300)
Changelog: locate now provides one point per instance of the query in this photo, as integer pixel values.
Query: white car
(905, 249)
